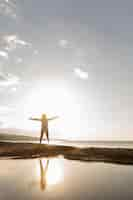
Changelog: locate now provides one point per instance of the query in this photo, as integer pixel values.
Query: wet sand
(31, 150)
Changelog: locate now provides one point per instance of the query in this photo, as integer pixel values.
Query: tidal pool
(57, 178)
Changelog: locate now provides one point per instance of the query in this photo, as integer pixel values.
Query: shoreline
(89, 154)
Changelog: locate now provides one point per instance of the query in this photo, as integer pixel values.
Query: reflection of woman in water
(43, 172)
(43, 163)
(44, 125)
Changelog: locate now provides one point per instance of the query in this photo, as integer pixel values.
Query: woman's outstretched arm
(35, 119)
(52, 118)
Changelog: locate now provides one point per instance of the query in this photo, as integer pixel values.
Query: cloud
(13, 41)
(8, 80)
(80, 73)
(21, 42)
(63, 43)
(4, 54)
(8, 8)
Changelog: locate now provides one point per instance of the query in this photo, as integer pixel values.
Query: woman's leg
(47, 135)
(41, 136)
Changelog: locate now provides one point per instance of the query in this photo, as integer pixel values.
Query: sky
(69, 58)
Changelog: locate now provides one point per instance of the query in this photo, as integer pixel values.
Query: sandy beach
(30, 150)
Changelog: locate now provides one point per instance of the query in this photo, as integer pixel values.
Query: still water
(57, 178)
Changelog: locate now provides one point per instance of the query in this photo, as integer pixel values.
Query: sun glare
(53, 174)
(54, 101)
(48, 100)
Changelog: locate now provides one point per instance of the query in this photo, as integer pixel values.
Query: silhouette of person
(43, 172)
(44, 125)
(43, 163)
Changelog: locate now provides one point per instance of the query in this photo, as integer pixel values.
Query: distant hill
(12, 137)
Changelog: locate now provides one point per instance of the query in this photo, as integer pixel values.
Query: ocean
(115, 144)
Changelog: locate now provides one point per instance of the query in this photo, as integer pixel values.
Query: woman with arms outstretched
(44, 125)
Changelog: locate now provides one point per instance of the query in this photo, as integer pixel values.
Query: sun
(52, 101)
(47, 100)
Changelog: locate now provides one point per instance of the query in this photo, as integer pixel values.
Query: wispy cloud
(4, 54)
(8, 8)
(13, 41)
(80, 73)
(8, 80)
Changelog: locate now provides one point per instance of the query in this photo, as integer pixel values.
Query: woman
(44, 125)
